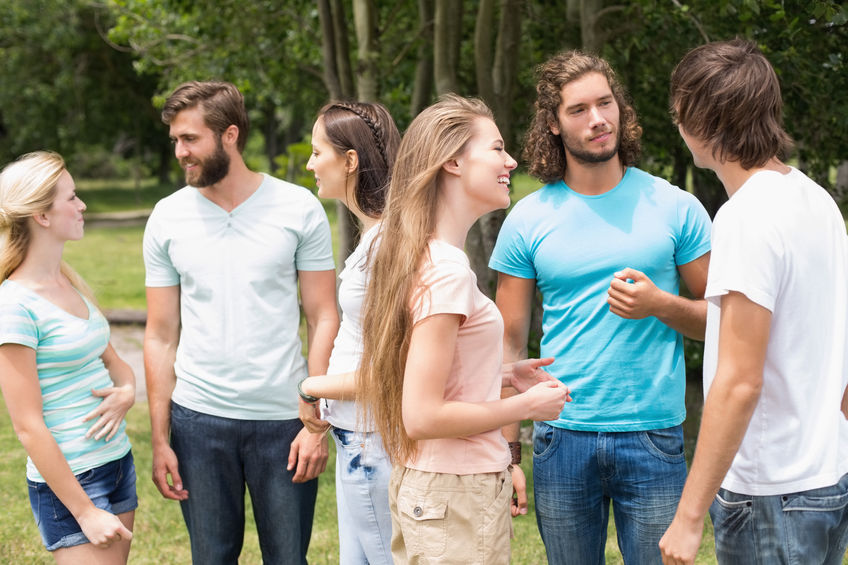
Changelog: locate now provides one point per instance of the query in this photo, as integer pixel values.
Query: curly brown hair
(543, 150)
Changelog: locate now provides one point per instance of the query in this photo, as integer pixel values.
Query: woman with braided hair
(353, 150)
(66, 389)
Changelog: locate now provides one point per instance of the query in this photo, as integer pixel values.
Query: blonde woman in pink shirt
(431, 372)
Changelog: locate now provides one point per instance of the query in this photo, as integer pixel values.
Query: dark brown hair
(221, 102)
(727, 94)
(543, 149)
(368, 129)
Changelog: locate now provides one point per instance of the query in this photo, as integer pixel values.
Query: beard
(213, 169)
(585, 156)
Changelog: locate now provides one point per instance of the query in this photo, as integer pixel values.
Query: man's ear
(453, 167)
(230, 135)
(554, 127)
(351, 161)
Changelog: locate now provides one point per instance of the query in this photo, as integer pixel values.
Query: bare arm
(318, 298)
(426, 413)
(21, 390)
(733, 396)
(117, 399)
(161, 337)
(309, 451)
(641, 298)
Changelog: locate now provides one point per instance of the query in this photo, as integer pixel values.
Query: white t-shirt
(347, 348)
(781, 241)
(239, 354)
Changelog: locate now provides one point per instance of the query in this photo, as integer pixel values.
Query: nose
(180, 150)
(82, 206)
(596, 117)
(510, 162)
(309, 165)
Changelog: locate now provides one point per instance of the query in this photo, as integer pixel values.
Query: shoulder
(16, 304)
(285, 192)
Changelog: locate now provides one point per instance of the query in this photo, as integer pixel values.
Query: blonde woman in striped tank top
(66, 389)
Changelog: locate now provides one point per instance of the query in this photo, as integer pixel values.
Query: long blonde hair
(435, 136)
(28, 187)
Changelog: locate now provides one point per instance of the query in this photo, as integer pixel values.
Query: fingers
(543, 362)
(629, 273)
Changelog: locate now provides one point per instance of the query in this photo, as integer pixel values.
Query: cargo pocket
(422, 523)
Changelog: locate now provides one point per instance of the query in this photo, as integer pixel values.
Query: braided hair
(368, 129)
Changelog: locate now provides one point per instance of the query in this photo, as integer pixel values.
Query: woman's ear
(453, 167)
(351, 161)
(41, 219)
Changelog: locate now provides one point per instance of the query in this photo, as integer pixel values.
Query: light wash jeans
(804, 528)
(577, 474)
(217, 458)
(362, 497)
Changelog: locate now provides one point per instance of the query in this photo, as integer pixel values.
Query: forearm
(462, 419)
(341, 386)
(684, 315)
(727, 412)
(53, 467)
(160, 378)
(320, 335)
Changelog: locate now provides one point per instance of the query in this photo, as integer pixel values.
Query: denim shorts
(110, 487)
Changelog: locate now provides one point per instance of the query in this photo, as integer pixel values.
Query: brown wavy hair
(368, 129)
(437, 135)
(727, 94)
(543, 150)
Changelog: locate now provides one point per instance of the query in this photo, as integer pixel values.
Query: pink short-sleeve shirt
(449, 286)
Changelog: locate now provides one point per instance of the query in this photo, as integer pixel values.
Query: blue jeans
(110, 487)
(576, 474)
(217, 458)
(809, 527)
(362, 497)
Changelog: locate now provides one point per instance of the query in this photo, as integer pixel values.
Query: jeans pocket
(731, 514)
(813, 520)
(665, 444)
(422, 522)
(544, 440)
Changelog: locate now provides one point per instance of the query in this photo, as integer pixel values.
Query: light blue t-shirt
(67, 356)
(625, 375)
(239, 354)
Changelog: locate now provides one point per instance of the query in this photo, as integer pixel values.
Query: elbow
(416, 427)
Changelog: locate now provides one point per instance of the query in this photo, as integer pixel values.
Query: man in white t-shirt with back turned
(772, 453)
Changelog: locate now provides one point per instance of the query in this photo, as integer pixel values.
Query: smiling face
(199, 150)
(64, 216)
(485, 167)
(329, 166)
(588, 120)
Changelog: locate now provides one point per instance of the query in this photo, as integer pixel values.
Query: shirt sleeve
(693, 239)
(511, 254)
(315, 248)
(446, 288)
(17, 326)
(746, 258)
(158, 268)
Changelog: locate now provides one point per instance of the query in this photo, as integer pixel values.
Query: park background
(87, 78)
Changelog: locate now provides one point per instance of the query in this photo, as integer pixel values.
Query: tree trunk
(328, 50)
(483, 51)
(345, 70)
(589, 33)
(842, 183)
(424, 68)
(365, 22)
(505, 69)
(446, 40)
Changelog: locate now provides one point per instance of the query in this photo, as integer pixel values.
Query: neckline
(242, 205)
(53, 304)
(601, 195)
